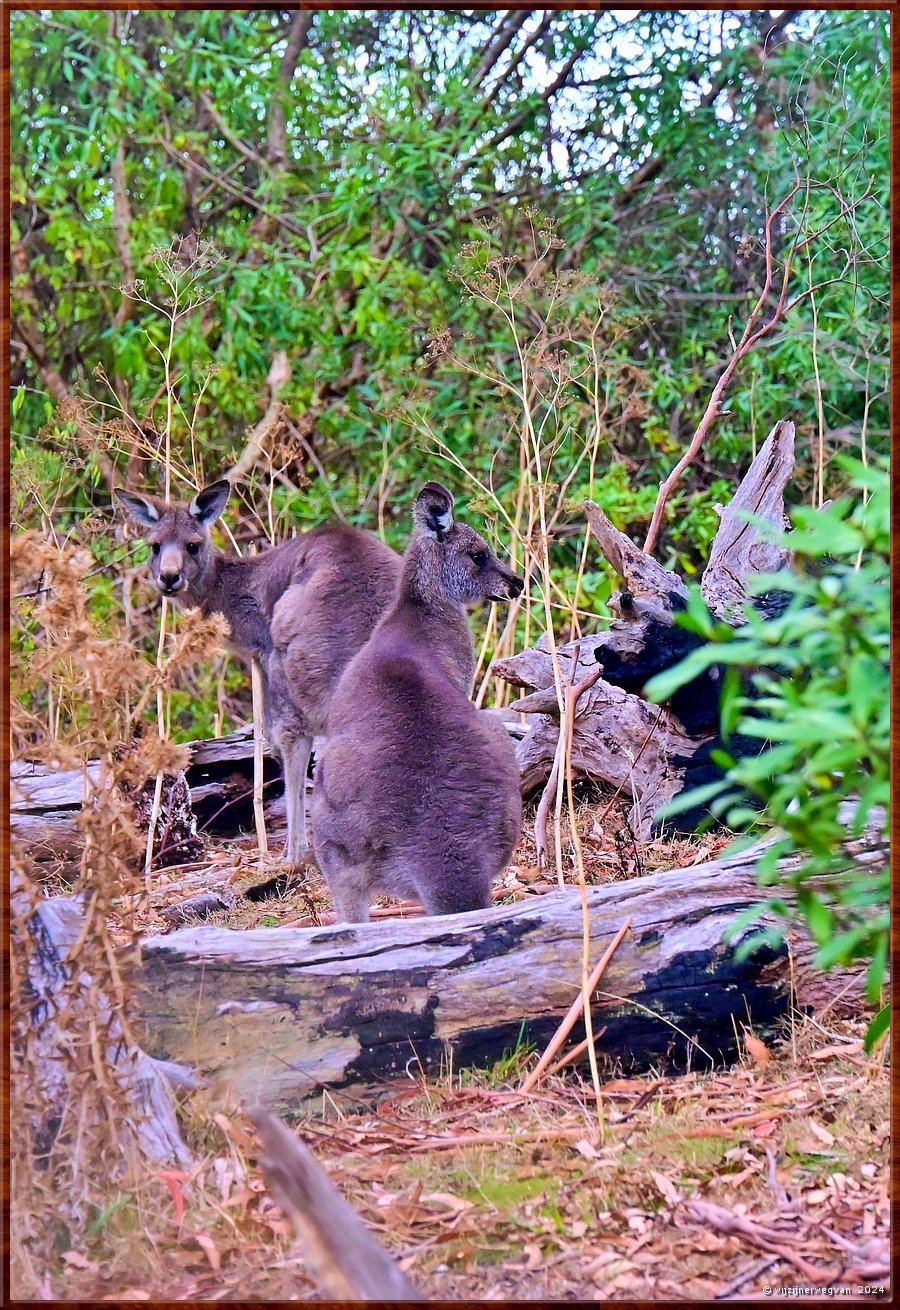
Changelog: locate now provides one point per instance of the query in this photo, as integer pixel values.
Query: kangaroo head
(454, 561)
(181, 547)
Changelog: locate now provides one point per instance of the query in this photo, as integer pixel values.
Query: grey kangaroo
(417, 791)
(303, 608)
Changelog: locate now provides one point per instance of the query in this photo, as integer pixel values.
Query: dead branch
(344, 1258)
(54, 926)
(279, 375)
(753, 333)
(738, 549)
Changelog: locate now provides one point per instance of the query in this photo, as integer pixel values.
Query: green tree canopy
(339, 163)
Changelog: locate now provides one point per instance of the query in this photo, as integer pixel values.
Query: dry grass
(610, 854)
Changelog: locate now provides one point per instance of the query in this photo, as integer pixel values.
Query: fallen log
(46, 804)
(275, 1015)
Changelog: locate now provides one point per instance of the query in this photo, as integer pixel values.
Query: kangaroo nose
(169, 581)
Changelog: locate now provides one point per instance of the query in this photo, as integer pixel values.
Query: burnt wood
(273, 1016)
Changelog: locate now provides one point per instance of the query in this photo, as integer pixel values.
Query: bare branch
(545, 97)
(344, 1258)
(753, 333)
(508, 29)
(653, 166)
(279, 376)
(248, 152)
(298, 38)
(121, 220)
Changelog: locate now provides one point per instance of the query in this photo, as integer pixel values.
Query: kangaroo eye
(155, 547)
(192, 547)
(479, 557)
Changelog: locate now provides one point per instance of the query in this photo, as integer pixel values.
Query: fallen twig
(724, 1221)
(574, 1012)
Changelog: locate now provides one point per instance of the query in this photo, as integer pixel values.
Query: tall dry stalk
(561, 356)
(181, 277)
(535, 310)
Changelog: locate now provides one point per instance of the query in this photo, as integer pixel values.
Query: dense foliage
(340, 161)
(353, 176)
(817, 693)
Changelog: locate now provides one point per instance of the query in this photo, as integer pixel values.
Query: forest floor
(773, 1174)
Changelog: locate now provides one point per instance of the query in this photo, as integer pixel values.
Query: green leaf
(877, 1028)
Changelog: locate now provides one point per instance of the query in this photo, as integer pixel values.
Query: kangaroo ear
(208, 504)
(140, 508)
(433, 510)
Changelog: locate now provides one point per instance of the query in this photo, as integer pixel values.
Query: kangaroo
(303, 608)
(417, 791)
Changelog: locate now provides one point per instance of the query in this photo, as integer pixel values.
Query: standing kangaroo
(303, 609)
(417, 791)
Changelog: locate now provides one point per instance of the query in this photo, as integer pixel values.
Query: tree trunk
(273, 1015)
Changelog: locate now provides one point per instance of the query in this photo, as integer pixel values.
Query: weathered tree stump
(619, 739)
(273, 1015)
(54, 927)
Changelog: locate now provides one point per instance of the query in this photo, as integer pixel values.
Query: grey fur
(417, 792)
(303, 608)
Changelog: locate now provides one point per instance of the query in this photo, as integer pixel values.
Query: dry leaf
(173, 1178)
(618, 1085)
(666, 1187)
(237, 1135)
(759, 1051)
(449, 1201)
(206, 1243)
(822, 1133)
(828, 1052)
(766, 1128)
(587, 1149)
(80, 1261)
(535, 1256)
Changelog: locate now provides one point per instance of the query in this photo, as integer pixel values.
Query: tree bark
(273, 1016)
(738, 549)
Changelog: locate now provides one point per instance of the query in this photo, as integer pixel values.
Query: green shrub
(816, 691)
